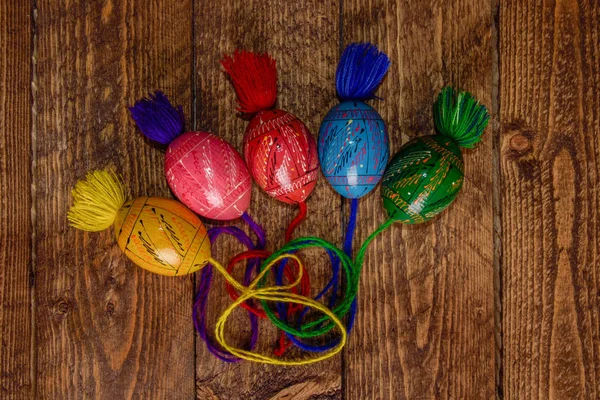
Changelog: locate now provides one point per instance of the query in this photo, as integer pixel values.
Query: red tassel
(254, 77)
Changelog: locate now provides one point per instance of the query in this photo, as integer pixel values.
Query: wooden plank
(15, 200)
(425, 327)
(106, 328)
(550, 175)
(304, 39)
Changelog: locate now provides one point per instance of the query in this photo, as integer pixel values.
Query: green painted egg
(422, 179)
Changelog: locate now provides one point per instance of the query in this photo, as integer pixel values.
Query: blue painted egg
(353, 148)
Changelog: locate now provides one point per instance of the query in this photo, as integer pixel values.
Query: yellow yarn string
(272, 293)
(96, 201)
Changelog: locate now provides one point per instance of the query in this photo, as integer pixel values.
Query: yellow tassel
(96, 201)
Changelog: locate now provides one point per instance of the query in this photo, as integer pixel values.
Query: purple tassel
(361, 69)
(157, 118)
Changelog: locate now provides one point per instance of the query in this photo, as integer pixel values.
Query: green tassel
(459, 115)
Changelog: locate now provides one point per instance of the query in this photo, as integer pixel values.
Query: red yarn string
(230, 289)
(254, 77)
(296, 221)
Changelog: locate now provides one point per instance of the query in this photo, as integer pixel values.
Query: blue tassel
(157, 118)
(361, 69)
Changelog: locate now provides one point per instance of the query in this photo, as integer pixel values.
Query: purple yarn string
(201, 300)
(258, 231)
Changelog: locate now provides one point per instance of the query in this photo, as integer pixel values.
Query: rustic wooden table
(498, 297)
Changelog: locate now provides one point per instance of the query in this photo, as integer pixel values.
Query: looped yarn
(333, 285)
(321, 325)
(273, 294)
(200, 303)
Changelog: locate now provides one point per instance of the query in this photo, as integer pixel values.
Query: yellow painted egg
(162, 236)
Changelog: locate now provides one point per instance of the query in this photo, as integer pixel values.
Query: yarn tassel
(254, 77)
(460, 116)
(361, 69)
(96, 201)
(157, 118)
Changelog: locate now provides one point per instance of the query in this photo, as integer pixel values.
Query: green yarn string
(352, 271)
(458, 115)
(360, 256)
(306, 329)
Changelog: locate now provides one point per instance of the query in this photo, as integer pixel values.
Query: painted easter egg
(208, 175)
(422, 179)
(281, 155)
(353, 148)
(162, 236)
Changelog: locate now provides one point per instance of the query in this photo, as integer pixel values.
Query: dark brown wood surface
(498, 297)
(104, 327)
(15, 200)
(550, 165)
(426, 322)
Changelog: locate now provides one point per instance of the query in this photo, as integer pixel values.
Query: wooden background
(499, 297)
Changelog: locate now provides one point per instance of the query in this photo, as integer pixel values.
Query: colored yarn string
(333, 283)
(282, 308)
(254, 78)
(301, 216)
(352, 270)
(348, 250)
(315, 327)
(200, 303)
(360, 70)
(289, 273)
(272, 294)
(303, 288)
(257, 230)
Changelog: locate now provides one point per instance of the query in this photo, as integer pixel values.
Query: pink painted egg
(208, 175)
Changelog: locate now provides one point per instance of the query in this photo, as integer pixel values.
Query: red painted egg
(208, 175)
(281, 155)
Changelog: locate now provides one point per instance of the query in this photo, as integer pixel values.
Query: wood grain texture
(425, 327)
(304, 39)
(15, 200)
(106, 328)
(550, 179)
